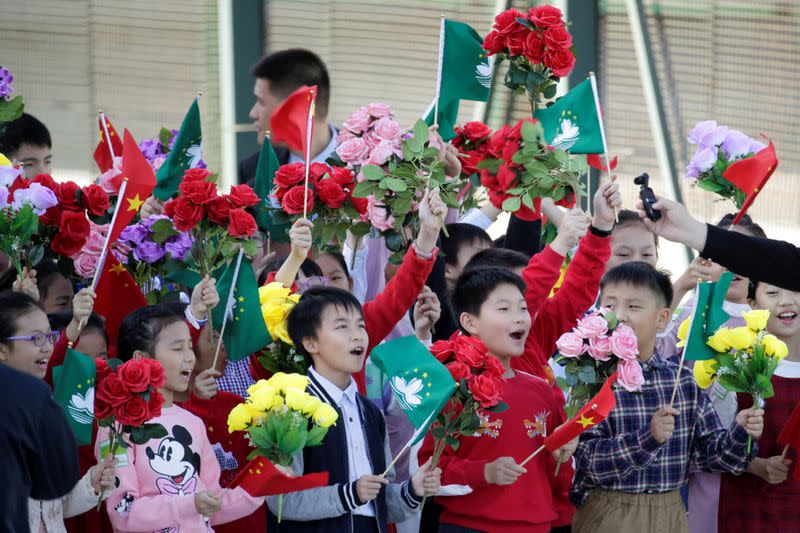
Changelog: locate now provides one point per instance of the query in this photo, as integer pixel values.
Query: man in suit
(277, 76)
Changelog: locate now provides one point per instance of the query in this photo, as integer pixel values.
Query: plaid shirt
(237, 377)
(620, 453)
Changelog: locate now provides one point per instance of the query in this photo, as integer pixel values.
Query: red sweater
(527, 504)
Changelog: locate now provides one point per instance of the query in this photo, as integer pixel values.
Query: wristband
(194, 321)
(600, 232)
(427, 256)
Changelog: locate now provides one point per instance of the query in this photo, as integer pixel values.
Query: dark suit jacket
(248, 165)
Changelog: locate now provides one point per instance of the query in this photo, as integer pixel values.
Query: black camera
(647, 196)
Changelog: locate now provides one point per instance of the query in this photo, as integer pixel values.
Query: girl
(767, 497)
(173, 481)
(26, 344)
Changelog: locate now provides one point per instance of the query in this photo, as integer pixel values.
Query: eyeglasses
(38, 339)
(311, 281)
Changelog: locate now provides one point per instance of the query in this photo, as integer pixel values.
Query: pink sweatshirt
(158, 480)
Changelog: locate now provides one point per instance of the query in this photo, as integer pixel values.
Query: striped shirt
(621, 454)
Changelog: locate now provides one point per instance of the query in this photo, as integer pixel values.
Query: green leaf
(549, 91)
(394, 241)
(402, 206)
(529, 134)
(394, 184)
(250, 247)
(587, 374)
(315, 436)
(364, 189)
(372, 172)
(438, 432)
(261, 437)
(611, 319)
(453, 442)
(163, 230)
(710, 185)
(527, 200)
(537, 169)
(360, 229)
(512, 204)
(165, 136)
(11, 109)
(36, 254)
(420, 131)
(499, 408)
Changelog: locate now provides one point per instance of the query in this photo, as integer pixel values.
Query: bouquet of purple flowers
(152, 242)
(717, 148)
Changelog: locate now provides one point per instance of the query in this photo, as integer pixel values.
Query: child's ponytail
(141, 328)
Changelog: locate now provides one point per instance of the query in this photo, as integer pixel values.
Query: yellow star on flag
(241, 298)
(585, 421)
(118, 268)
(135, 203)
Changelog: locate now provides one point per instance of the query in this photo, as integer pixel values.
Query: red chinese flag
(102, 154)
(594, 161)
(261, 478)
(292, 122)
(751, 174)
(595, 411)
(117, 295)
(140, 182)
(790, 436)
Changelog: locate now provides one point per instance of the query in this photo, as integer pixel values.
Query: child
(27, 141)
(630, 467)
(327, 326)
(632, 241)
(504, 497)
(173, 482)
(767, 497)
(93, 340)
(26, 343)
(463, 242)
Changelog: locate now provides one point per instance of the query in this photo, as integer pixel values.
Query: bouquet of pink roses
(597, 347)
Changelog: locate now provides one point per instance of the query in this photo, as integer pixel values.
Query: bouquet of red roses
(538, 47)
(480, 381)
(126, 397)
(521, 168)
(218, 224)
(330, 200)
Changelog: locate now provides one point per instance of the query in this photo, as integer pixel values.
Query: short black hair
(61, 319)
(13, 305)
(339, 258)
(27, 129)
(627, 217)
(307, 267)
(640, 275)
(474, 286)
(288, 70)
(460, 235)
(499, 258)
(745, 223)
(305, 319)
(47, 272)
(141, 328)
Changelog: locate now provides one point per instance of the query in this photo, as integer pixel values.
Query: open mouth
(187, 373)
(787, 316)
(179, 479)
(357, 351)
(41, 362)
(517, 335)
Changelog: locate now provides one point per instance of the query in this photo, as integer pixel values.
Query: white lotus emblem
(568, 136)
(407, 393)
(483, 73)
(81, 408)
(195, 152)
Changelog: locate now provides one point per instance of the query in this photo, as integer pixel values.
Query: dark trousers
(365, 524)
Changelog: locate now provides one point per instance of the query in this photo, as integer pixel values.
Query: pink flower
(358, 121)
(353, 150)
(387, 128)
(378, 215)
(157, 162)
(121, 250)
(381, 153)
(592, 326)
(600, 348)
(570, 344)
(110, 180)
(379, 110)
(343, 135)
(629, 375)
(371, 138)
(96, 240)
(624, 343)
(85, 264)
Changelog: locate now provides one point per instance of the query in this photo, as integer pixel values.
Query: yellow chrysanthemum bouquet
(280, 355)
(281, 418)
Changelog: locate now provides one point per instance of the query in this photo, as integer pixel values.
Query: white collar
(333, 390)
(323, 155)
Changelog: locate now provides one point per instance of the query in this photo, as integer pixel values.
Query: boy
(463, 242)
(630, 467)
(504, 497)
(631, 240)
(327, 326)
(27, 141)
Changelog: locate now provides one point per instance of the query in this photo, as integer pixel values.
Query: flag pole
(228, 303)
(683, 352)
(531, 456)
(439, 73)
(784, 452)
(108, 137)
(420, 430)
(309, 134)
(599, 111)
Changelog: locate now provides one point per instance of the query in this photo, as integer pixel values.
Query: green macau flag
(262, 185)
(186, 153)
(572, 123)
(707, 317)
(73, 384)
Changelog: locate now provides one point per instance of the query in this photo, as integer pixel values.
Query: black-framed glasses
(38, 339)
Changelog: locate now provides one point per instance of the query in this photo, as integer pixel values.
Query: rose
(95, 199)
(756, 319)
(157, 378)
(134, 412)
(102, 369)
(442, 350)
(110, 180)
(459, 371)
(506, 22)
(325, 415)
(289, 175)
(775, 347)
(557, 37)
(741, 338)
(343, 135)
(494, 43)
(358, 121)
(379, 110)
(545, 16)
(600, 348)
(72, 232)
(41, 198)
(242, 223)
(704, 159)
(184, 213)
(516, 42)
(353, 150)
(243, 196)
(378, 214)
(198, 192)
(112, 391)
(135, 374)
(67, 196)
(195, 174)
(387, 128)
(380, 153)
(485, 389)
(85, 264)
(470, 351)
(560, 61)
(155, 403)
(592, 326)
(506, 176)
(720, 340)
(570, 345)
(493, 366)
(360, 205)
(331, 193)
(343, 176)
(292, 202)
(371, 139)
(629, 375)
(317, 170)
(218, 210)
(46, 180)
(624, 343)
(469, 165)
(476, 131)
